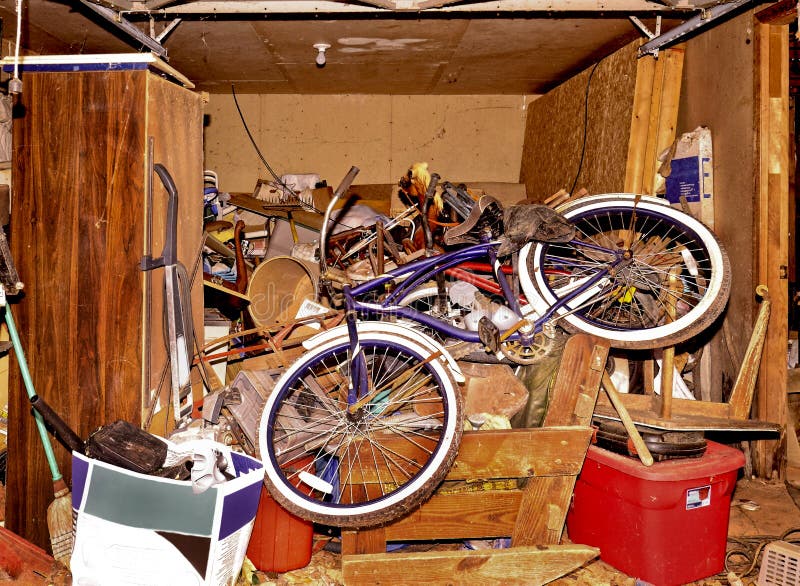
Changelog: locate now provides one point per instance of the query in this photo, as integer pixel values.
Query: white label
(697, 498)
(309, 308)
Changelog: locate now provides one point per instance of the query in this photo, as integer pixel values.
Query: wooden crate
(544, 462)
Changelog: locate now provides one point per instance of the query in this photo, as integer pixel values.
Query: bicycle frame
(413, 274)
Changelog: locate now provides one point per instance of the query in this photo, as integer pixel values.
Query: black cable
(585, 124)
(263, 160)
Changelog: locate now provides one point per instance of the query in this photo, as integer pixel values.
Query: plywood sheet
(463, 138)
(595, 105)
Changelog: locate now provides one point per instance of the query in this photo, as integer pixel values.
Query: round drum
(278, 287)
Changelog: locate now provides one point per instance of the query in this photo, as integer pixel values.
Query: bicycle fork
(359, 383)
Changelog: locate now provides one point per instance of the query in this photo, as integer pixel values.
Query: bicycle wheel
(670, 278)
(337, 465)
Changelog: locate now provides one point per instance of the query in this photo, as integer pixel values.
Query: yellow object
(627, 296)
(490, 421)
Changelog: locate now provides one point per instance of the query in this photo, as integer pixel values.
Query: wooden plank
(772, 62)
(577, 381)
(651, 403)
(519, 453)
(363, 541)
(640, 123)
(502, 453)
(528, 566)
(543, 510)
(467, 515)
(663, 112)
(687, 422)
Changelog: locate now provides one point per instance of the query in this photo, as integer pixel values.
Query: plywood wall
(558, 122)
(471, 138)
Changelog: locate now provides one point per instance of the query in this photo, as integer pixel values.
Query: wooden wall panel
(73, 243)
(77, 236)
(772, 227)
(554, 132)
(175, 123)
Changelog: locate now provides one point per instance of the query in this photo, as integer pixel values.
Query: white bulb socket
(321, 48)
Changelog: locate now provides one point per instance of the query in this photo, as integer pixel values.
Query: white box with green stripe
(137, 529)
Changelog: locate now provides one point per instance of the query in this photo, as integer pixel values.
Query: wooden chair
(540, 464)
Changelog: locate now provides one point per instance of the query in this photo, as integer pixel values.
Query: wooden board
(468, 515)
(528, 566)
(77, 236)
(175, 123)
(690, 422)
(772, 97)
(519, 453)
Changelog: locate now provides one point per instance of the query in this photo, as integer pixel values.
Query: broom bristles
(59, 523)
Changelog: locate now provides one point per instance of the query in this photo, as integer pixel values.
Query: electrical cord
(585, 124)
(749, 549)
(264, 160)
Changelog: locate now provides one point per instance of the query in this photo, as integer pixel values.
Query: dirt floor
(760, 513)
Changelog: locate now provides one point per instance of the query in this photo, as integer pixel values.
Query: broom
(59, 513)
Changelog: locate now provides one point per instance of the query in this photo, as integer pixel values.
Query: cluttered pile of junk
(434, 364)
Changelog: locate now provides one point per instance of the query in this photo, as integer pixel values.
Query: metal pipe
(701, 20)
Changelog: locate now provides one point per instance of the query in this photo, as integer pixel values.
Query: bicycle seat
(486, 215)
(533, 222)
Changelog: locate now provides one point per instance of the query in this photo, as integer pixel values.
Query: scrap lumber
(527, 566)
(654, 117)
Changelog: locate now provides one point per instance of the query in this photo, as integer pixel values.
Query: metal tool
(176, 303)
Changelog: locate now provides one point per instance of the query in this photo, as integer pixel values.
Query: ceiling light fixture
(321, 47)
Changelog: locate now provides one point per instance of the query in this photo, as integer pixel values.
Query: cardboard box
(137, 529)
(691, 174)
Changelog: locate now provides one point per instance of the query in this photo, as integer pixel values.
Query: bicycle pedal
(489, 334)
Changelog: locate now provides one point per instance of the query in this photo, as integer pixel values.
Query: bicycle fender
(390, 328)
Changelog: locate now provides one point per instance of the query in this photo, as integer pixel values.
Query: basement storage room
(399, 292)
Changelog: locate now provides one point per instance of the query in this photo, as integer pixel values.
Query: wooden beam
(529, 566)
(780, 13)
(654, 117)
(466, 515)
(771, 229)
(519, 453)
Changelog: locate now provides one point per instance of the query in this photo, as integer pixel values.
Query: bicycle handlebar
(323, 233)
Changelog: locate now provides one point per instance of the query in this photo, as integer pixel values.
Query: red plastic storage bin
(280, 541)
(666, 524)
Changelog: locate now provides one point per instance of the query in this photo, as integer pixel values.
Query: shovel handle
(26, 378)
(71, 439)
(636, 438)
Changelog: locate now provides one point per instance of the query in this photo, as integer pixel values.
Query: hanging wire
(585, 124)
(275, 176)
(15, 86)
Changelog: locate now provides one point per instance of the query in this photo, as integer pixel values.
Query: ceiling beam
(783, 12)
(201, 7)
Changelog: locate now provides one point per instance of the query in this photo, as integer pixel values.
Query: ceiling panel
(388, 53)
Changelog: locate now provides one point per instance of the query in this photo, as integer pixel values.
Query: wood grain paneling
(77, 236)
(771, 229)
